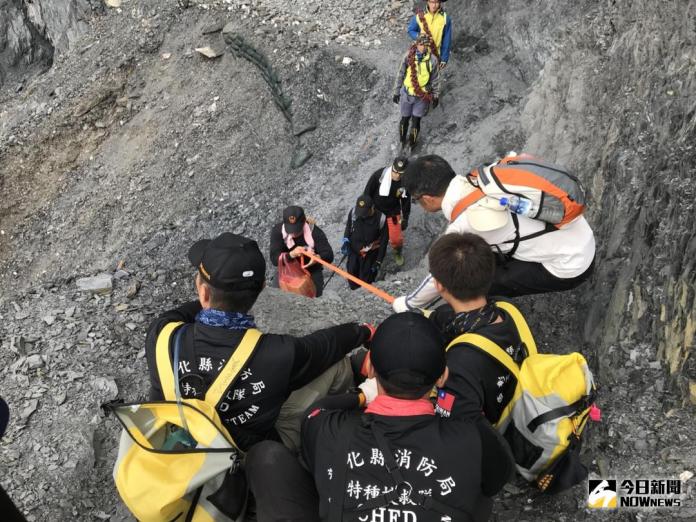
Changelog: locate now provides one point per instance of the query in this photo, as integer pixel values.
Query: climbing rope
(367, 286)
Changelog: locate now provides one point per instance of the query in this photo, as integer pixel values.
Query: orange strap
(367, 286)
(465, 203)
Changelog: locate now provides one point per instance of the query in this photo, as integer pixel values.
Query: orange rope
(367, 286)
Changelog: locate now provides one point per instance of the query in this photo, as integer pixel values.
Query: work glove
(404, 224)
(443, 65)
(399, 305)
(376, 267)
(345, 246)
(436, 102)
(369, 390)
(395, 99)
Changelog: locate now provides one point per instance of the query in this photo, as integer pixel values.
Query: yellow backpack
(548, 411)
(175, 455)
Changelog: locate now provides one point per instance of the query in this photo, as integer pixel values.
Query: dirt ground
(133, 145)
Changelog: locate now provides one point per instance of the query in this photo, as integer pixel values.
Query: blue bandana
(222, 319)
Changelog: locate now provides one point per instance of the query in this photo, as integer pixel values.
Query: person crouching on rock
(416, 86)
(296, 234)
(391, 199)
(365, 240)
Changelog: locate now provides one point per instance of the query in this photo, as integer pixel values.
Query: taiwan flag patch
(445, 401)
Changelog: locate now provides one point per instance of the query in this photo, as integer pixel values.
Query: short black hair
(464, 264)
(400, 392)
(429, 175)
(232, 300)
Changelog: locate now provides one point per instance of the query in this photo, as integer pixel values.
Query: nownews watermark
(634, 493)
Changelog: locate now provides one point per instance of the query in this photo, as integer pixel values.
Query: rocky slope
(32, 32)
(133, 145)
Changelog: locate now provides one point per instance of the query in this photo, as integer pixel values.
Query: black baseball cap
(294, 219)
(229, 262)
(400, 164)
(408, 351)
(363, 206)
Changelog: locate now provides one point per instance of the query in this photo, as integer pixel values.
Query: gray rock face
(32, 31)
(618, 109)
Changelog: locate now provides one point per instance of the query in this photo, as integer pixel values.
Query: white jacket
(565, 253)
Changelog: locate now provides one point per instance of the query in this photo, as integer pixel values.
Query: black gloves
(404, 224)
(396, 99)
(436, 102)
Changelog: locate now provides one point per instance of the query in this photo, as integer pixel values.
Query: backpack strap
(234, 365)
(465, 203)
(548, 227)
(516, 241)
(164, 361)
(486, 345)
(227, 377)
(521, 324)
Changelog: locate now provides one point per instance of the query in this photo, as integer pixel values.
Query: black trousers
(515, 278)
(283, 489)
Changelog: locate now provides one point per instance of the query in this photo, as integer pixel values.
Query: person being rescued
(416, 87)
(435, 23)
(296, 234)
(391, 199)
(365, 240)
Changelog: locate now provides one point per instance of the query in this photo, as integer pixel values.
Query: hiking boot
(398, 258)
(403, 133)
(413, 138)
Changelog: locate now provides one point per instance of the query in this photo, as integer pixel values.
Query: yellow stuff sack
(174, 455)
(159, 484)
(548, 411)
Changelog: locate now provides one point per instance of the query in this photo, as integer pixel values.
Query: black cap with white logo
(229, 262)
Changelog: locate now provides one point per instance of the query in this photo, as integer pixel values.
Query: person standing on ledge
(416, 87)
(437, 25)
(391, 199)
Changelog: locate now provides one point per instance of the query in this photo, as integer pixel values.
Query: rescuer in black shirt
(297, 233)
(463, 266)
(397, 460)
(364, 241)
(230, 276)
(391, 199)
